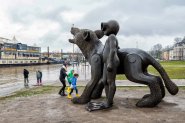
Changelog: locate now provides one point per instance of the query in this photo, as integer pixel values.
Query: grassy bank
(175, 70)
(32, 91)
(38, 90)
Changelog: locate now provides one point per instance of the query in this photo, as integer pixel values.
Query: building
(183, 48)
(54, 55)
(178, 51)
(171, 54)
(12, 52)
(165, 55)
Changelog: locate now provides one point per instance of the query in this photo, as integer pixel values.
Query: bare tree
(156, 51)
(177, 40)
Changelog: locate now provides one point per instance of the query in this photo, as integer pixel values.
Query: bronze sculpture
(130, 61)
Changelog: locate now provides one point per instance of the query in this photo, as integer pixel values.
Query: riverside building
(14, 53)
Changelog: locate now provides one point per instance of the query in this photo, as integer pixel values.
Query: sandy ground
(51, 108)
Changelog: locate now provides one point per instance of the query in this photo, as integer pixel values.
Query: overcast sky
(143, 23)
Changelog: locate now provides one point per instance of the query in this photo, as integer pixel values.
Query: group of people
(38, 76)
(72, 80)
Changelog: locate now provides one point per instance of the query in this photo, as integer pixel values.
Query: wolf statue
(109, 60)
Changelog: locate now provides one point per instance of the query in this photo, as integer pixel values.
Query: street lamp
(73, 50)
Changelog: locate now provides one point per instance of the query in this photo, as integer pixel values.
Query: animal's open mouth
(71, 40)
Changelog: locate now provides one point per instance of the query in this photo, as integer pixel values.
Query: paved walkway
(7, 90)
(179, 82)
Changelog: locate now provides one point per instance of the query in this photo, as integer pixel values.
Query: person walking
(39, 77)
(73, 86)
(26, 73)
(62, 80)
(65, 64)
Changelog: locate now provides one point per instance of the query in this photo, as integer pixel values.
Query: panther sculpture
(132, 62)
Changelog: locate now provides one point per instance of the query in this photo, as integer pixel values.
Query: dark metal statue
(107, 61)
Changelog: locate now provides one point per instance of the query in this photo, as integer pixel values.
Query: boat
(13, 53)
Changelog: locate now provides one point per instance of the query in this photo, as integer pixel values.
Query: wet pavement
(11, 78)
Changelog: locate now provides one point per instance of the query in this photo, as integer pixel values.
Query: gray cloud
(55, 41)
(137, 18)
(145, 17)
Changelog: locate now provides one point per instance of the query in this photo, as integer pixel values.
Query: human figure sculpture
(111, 62)
(133, 63)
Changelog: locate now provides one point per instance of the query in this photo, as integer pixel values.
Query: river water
(12, 79)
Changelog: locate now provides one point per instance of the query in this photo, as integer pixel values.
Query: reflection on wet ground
(11, 78)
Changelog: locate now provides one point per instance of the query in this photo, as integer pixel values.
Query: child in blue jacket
(73, 86)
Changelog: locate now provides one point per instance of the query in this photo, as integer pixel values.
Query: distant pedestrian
(26, 73)
(69, 78)
(73, 86)
(39, 77)
(62, 80)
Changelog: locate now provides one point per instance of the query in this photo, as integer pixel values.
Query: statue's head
(84, 37)
(110, 27)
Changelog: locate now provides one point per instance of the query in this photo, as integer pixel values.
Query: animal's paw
(93, 106)
(80, 100)
(148, 101)
(146, 96)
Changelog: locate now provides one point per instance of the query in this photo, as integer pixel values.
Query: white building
(171, 54)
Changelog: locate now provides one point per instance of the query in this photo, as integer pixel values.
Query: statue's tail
(171, 86)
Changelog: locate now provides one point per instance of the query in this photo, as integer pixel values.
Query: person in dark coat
(62, 80)
(26, 73)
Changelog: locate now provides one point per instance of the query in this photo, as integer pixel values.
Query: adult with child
(39, 77)
(73, 86)
(62, 80)
(26, 73)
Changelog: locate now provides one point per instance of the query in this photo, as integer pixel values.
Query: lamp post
(73, 50)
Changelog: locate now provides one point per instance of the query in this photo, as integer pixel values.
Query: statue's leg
(155, 95)
(112, 87)
(106, 84)
(159, 80)
(97, 92)
(96, 74)
(134, 72)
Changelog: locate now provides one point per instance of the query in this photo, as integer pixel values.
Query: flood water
(12, 79)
